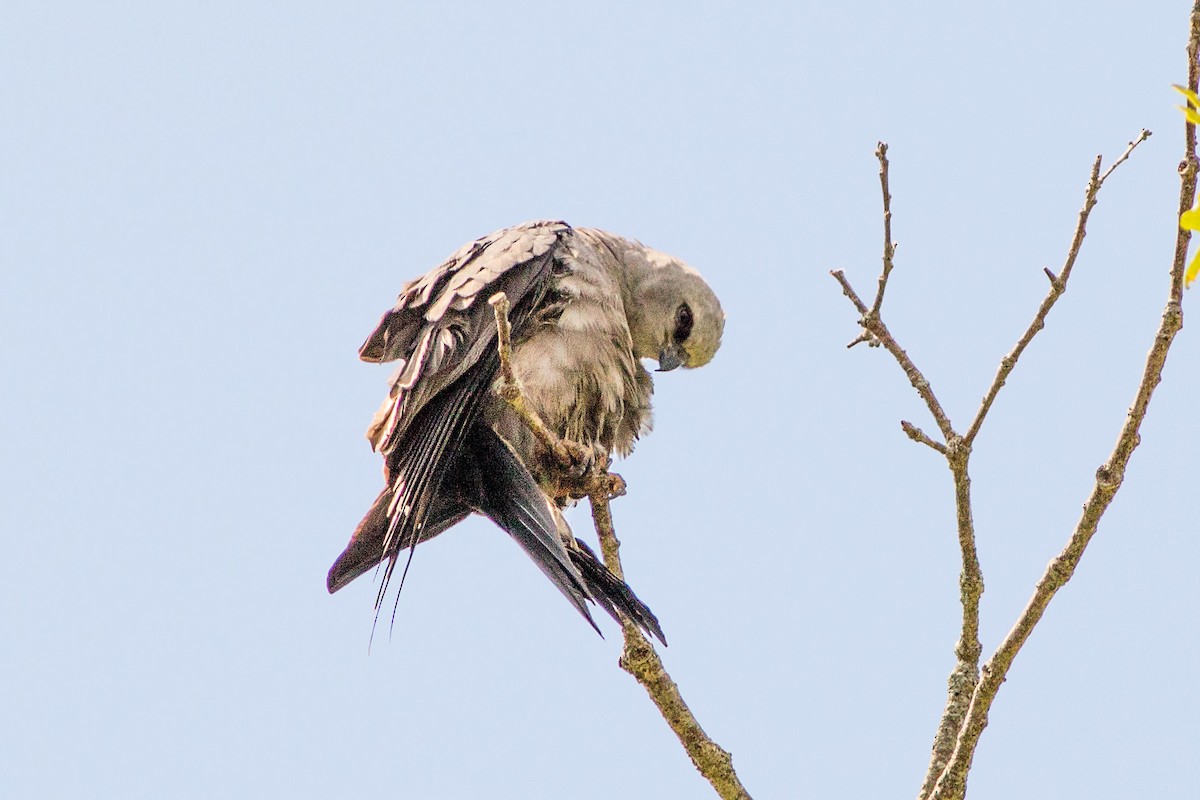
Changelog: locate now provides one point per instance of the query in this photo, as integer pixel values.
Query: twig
(874, 325)
(639, 658)
(952, 781)
(957, 452)
(889, 248)
(964, 685)
(918, 435)
(870, 340)
(641, 661)
(1058, 284)
(1121, 159)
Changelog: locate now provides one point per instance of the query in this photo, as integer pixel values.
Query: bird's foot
(585, 472)
(578, 460)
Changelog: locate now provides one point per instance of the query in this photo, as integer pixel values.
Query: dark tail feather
(510, 497)
(489, 478)
(516, 503)
(365, 549)
(612, 593)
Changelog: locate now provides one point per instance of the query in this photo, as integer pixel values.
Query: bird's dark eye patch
(683, 323)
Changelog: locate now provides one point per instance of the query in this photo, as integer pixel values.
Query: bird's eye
(683, 323)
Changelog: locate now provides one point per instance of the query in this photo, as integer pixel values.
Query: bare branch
(953, 780)
(873, 325)
(1058, 284)
(641, 661)
(889, 249)
(1121, 159)
(848, 290)
(957, 452)
(870, 340)
(964, 679)
(918, 435)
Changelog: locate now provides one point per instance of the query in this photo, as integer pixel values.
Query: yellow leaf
(1192, 271)
(1192, 115)
(1192, 97)
(1190, 220)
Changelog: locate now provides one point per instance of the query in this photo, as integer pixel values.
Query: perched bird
(586, 307)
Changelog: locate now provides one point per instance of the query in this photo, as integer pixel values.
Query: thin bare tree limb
(964, 681)
(1058, 284)
(639, 657)
(918, 435)
(957, 453)
(873, 325)
(870, 340)
(889, 248)
(640, 660)
(952, 783)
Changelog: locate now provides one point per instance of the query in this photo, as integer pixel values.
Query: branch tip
(919, 436)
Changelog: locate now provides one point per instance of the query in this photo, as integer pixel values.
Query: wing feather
(441, 314)
(442, 461)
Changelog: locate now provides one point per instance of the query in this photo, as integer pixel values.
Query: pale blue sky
(205, 207)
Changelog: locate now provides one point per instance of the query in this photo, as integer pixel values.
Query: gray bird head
(674, 316)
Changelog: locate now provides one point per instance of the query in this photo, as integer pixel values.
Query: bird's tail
(489, 478)
(367, 544)
(511, 497)
(611, 593)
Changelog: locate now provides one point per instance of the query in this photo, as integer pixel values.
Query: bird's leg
(510, 389)
(595, 480)
(581, 467)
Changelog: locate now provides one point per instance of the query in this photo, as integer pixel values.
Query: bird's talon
(575, 459)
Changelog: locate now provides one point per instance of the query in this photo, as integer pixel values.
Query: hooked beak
(670, 357)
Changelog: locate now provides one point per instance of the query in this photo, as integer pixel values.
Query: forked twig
(951, 783)
(961, 724)
(1058, 284)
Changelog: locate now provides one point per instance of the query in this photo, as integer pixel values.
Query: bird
(586, 307)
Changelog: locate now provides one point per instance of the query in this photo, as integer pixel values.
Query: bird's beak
(670, 357)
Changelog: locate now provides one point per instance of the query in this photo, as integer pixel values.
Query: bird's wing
(441, 461)
(441, 327)
(445, 334)
(414, 507)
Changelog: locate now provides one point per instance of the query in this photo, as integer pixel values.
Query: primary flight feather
(587, 306)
